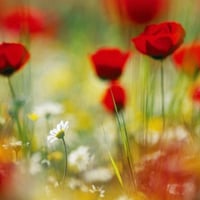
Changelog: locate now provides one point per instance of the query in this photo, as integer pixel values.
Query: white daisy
(58, 132)
(100, 174)
(80, 158)
(47, 109)
(97, 189)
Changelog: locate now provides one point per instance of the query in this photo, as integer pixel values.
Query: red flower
(187, 58)
(164, 175)
(160, 40)
(28, 20)
(135, 11)
(143, 11)
(114, 95)
(109, 63)
(195, 94)
(7, 171)
(12, 58)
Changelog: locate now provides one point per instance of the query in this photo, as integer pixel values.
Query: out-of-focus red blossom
(114, 95)
(195, 94)
(28, 20)
(187, 58)
(13, 56)
(160, 40)
(163, 175)
(136, 11)
(109, 63)
(7, 173)
(143, 11)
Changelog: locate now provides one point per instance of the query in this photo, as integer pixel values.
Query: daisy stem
(162, 94)
(66, 157)
(16, 112)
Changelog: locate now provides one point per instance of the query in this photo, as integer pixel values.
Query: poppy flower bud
(114, 98)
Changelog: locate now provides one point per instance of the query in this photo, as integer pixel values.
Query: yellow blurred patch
(84, 120)
(139, 196)
(56, 155)
(33, 116)
(192, 164)
(155, 124)
(10, 151)
(60, 80)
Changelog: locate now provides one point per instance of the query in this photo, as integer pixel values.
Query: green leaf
(116, 170)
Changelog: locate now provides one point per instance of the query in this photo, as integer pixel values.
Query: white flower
(101, 174)
(77, 184)
(123, 197)
(80, 158)
(176, 133)
(97, 189)
(58, 132)
(47, 109)
(35, 166)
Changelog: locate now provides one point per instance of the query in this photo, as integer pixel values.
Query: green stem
(162, 94)
(16, 113)
(125, 140)
(146, 116)
(128, 154)
(194, 118)
(66, 157)
(11, 89)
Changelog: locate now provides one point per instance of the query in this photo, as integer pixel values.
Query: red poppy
(143, 11)
(12, 58)
(160, 40)
(164, 176)
(7, 171)
(195, 94)
(187, 58)
(109, 63)
(115, 95)
(135, 11)
(27, 20)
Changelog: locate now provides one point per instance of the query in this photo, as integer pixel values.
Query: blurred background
(61, 35)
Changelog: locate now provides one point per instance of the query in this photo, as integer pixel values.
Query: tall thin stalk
(162, 95)
(65, 160)
(125, 142)
(16, 112)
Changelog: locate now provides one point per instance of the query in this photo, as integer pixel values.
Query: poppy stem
(16, 111)
(128, 153)
(65, 161)
(162, 95)
(11, 89)
(124, 139)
